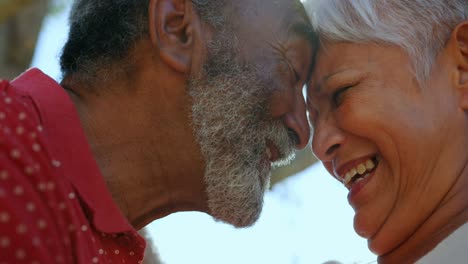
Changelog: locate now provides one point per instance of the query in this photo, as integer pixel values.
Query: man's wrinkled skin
(207, 102)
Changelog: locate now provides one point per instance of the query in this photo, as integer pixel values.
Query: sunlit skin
(149, 156)
(364, 101)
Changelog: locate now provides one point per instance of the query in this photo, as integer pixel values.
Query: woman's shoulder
(453, 249)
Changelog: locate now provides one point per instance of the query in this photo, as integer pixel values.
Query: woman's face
(393, 143)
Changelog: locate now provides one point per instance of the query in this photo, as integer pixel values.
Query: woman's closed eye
(337, 96)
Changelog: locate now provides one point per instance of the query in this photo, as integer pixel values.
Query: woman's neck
(451, 214)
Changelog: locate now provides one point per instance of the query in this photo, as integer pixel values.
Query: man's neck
(141, 146)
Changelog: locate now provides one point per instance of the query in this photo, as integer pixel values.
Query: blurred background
(306, 218)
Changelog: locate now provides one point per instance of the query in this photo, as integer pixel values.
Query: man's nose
(327, 138)
(297, 123)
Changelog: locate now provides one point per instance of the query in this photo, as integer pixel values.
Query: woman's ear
(459, 44)
(172, 25)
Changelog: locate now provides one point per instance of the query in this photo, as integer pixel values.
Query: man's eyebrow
(306, 31)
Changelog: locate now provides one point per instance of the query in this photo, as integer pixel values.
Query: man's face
(251, 81)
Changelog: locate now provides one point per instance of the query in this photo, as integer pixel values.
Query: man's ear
(172, 26)
(459, 43)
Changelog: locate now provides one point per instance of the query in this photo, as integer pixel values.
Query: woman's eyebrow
(319, 86)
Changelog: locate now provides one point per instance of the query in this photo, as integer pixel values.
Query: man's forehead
(271, 17)
(279, 8)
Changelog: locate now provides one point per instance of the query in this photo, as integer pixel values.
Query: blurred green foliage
(57, 6)
(9, 8)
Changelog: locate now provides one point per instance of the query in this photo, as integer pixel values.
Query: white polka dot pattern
(42, 219)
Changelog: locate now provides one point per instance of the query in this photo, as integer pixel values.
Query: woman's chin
(367, 226)
(377, 248)
(363, 226)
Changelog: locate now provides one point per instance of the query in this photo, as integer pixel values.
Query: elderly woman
(388, 101)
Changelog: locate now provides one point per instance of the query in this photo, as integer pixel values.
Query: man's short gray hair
(102, 32)
(420, 27)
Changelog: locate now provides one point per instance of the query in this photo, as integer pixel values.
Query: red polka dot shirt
(54, 203)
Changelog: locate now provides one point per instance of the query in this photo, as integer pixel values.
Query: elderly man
(165, 106)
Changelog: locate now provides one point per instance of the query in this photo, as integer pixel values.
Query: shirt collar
(67, 141)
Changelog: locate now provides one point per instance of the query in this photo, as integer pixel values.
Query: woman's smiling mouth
(357, 171)
(360, 172)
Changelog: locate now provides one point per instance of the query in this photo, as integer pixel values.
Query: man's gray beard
(232, 124)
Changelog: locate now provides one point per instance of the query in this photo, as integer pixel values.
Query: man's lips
(272, 151)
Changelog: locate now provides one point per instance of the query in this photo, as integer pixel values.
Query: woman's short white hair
(420, 27)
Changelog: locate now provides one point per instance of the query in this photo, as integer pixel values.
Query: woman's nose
(327, 139)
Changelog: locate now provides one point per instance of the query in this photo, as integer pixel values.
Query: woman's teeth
(361, 171)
